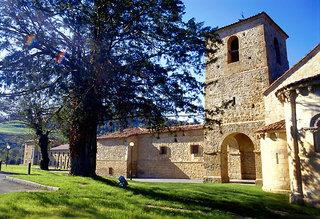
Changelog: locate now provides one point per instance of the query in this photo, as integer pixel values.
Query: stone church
(262, 121)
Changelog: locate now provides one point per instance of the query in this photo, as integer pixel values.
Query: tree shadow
(17, 174)
(206, 202)
(106, 181)
(251, 205)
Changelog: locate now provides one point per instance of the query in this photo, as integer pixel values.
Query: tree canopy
(109, 60)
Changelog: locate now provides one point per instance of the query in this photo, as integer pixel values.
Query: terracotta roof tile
(125, 133)
(139, 131)
(281, 125)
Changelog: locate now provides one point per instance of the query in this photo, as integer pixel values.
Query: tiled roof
(281, 125)
(139, 131)
(60, 147)
(125, 133)
(253, 18)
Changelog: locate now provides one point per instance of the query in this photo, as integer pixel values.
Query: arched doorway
(237, 158)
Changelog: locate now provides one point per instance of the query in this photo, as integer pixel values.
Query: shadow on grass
(106, 181)
(18, 174)
(242, 209)
(67, 208)
(58, 170)
(240, 203)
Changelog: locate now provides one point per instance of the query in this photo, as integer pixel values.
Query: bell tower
(251, 56)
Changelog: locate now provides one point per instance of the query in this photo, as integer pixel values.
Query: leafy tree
(39, 112)
(110, 60)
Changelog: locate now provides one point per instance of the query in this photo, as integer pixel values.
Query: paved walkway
(250, 182)
(168, 180)
(8, 186)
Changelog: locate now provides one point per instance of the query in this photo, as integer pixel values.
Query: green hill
(14, 127)
(13, 133)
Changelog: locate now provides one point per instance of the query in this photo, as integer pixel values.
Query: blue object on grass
(123, 183)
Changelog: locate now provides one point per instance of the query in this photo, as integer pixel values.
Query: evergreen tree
(111, 60)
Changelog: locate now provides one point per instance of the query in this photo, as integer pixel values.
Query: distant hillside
(13, 133)
(14, 127)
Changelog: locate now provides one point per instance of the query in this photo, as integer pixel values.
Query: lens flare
(31, 41)
(60, 57)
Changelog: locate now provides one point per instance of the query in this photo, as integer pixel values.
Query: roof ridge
(140, 131)
(252, 18)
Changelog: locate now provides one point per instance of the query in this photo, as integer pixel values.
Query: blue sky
(300, 19)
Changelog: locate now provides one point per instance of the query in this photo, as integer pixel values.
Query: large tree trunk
(83, 135)
(43, 144)
(86, 106)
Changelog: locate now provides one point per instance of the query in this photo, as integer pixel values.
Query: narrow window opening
(163, 150)
(276, 46)
(277, 158)
(194, 149)
(233, 49)
(110, 171)
(316, 136)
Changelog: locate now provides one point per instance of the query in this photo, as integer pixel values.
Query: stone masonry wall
(274, 110)
(60, 159)
(112, 153)
(274, 156)
(242, 83)
(28, 153)
(308, 107)
(214, 168)
(178, 162)
(275, 69)
(31, 154)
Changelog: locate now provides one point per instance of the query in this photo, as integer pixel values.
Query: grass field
(14, 128)
(82, 197)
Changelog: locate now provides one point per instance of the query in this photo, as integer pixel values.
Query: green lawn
(14, 127)
(101, 198)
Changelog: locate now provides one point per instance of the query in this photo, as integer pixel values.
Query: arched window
(316, 137)
(276, 47)
(233, 49)
(315, 124)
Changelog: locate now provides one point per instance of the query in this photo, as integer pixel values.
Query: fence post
(29, 168)
(0, 164)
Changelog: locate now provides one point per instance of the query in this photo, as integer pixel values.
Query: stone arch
(315, 121)
(237, 157)
(315, 124)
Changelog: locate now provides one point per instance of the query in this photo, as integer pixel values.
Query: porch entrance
(237, 158)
